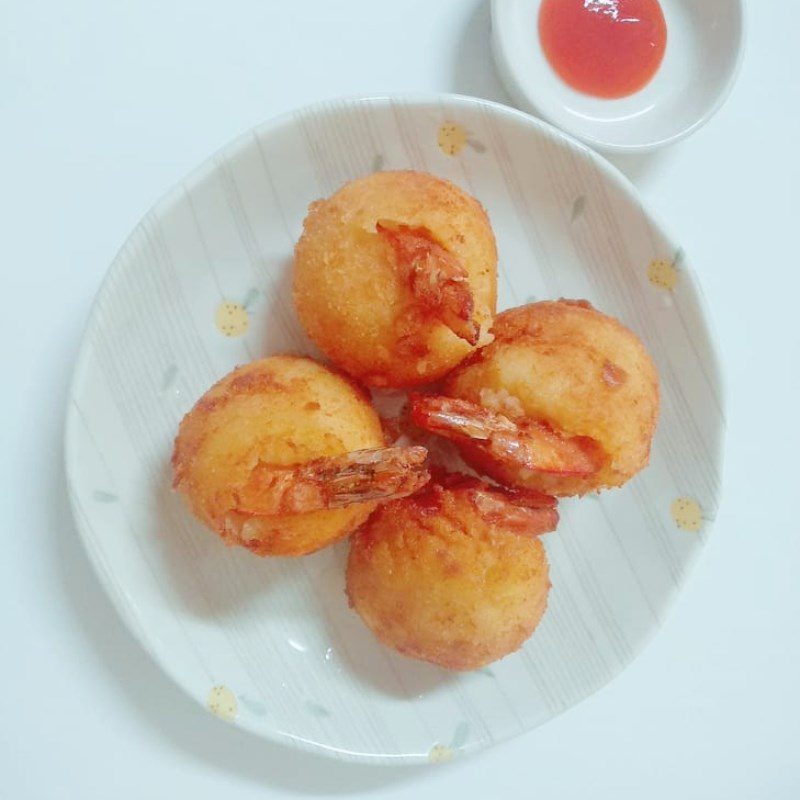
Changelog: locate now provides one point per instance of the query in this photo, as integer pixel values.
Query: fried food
(284, 456)
(574, 398)
(332, 482)
(395, 277)
(455, 574)
(523, 445)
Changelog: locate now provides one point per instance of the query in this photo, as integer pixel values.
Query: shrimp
(332, 482)
(523, 446)
(524, 511)
(438, 281)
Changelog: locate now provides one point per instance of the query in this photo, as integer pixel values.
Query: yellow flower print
(662, 274)
(452, 138)
(232, 319)
(687, 514)
(222, 702)
(439, 753)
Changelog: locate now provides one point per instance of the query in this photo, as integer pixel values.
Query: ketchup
(605, 48)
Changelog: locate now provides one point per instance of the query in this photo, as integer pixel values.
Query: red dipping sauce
(606, 48)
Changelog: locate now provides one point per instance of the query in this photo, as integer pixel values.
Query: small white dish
(270, 644)
(705, 43)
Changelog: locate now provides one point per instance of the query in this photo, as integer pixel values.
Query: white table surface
(103, 106)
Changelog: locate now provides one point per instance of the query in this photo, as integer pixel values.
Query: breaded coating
(395, 277)
(455, 575)
(576, 371)
(260, 421)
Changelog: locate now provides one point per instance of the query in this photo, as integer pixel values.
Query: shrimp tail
(334, 482)
(438, 281)
(526, 512)
(523, 444)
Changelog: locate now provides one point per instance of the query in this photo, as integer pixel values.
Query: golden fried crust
(439, 583)
(353, 299)
(580, 370)
(284, 410)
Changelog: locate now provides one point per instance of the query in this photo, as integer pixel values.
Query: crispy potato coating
(280, 411)
(578, 371)
(454, 575)
(395, 277)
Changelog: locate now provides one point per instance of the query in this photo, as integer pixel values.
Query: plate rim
(207, 165)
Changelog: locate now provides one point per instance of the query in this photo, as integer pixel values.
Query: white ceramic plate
(705, 42)
(270, 644)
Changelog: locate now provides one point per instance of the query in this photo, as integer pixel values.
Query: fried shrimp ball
(283, 457)
(564, 400)
(455, 575)
(395, 277)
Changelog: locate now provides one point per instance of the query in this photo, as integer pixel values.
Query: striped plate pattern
(202, 285)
